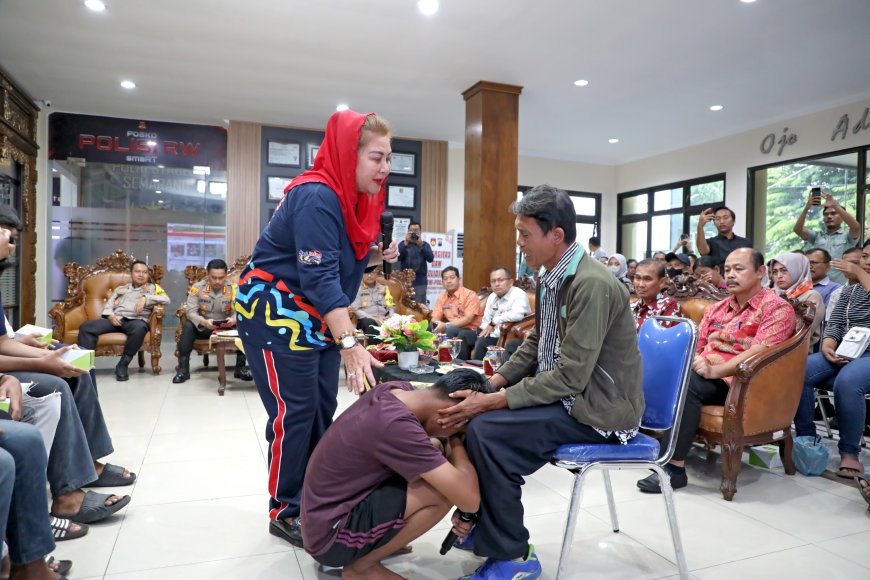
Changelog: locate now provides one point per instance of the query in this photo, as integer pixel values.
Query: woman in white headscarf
(790, 273)
(619, 266)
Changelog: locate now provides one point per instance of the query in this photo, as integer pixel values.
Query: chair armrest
(519, 329)
(59, 320)
(155, 324)
(767, 387)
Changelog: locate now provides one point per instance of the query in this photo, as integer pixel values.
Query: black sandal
(864, 489)
(61, 567)
(62, 529)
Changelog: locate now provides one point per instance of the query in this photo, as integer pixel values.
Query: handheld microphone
(451, 537)
(387, 238)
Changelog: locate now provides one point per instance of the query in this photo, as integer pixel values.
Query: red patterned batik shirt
(662, 306)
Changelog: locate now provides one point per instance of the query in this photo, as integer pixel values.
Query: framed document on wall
(403, 163)
(277, 185)
(401, 196)
(283, 153)
(312, 153)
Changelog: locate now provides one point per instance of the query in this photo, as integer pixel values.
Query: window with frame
(654, 219)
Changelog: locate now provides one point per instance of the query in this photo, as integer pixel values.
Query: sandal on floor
(94, 508)
(61, 567)
(850, 467)
(112, 476)
(864, 489)
(60, 527)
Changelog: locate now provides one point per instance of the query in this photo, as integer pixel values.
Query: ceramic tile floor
(198, 508)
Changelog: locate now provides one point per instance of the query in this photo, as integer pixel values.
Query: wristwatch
(347, 341)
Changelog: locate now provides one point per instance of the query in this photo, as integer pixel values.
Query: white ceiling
(654, 66)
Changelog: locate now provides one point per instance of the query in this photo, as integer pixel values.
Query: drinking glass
(455, 346)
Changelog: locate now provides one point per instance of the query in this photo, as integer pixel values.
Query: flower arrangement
(406, 334)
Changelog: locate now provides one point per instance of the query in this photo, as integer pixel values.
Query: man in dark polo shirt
(376, 480)
(718, 247)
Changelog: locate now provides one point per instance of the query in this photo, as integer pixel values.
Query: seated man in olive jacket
(575, 379)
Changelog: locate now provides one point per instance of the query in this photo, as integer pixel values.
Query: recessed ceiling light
(155, 180)
(581, 83)
(158, 191)
(612, 141)
(428, 7)
(128, 85)
(716, 107)
(342, 107)
(160, 166)
(747, 1)
(95, 5)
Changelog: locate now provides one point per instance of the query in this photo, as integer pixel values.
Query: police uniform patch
(310, 257)
(194, 291)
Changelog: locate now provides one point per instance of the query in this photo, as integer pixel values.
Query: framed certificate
(276, 187)
(283, 153)
(401, 196)
(403, 163)
(312, 153)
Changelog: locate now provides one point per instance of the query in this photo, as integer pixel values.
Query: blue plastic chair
(667, 355)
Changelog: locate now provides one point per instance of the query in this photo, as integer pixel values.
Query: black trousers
(366, 325)
(468, 336)
(190, 333)
(701, 392)
(134, 328)
(504, 446)
(480, 346)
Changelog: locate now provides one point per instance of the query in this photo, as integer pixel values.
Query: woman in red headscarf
(293, 297)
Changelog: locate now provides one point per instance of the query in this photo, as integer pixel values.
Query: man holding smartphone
(720, 246)
(416, 254)
(209, 307)
(833, 238)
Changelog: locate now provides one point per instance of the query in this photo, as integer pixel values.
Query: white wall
(736, 154)
(535, 171)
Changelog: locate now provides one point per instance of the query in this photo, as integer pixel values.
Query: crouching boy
(378, 480)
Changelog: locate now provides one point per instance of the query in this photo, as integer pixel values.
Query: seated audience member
(721, 245)
(596, 251)
(617, 264)
(372, 305)
(457, 311)
(851, 376)
(24, 520)
(81, 434)
(661, 257)
(632, 268)
(127, 310)
(576, 378)
(749, 321)
(709, 271)
(820, 265)
(678, 264)
(834, 238)
(790, 273)
(209, 306)
(506, 303)
(404, 481)
(850, 256)
(649, 281)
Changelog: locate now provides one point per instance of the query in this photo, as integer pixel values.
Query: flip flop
(94, 508)
(61, 567)
(112, 476)
(850, 468)
(865, 490)
(60, 527)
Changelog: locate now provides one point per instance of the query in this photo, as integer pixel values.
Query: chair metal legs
(819, 398)
(614, 521)
(571, 523)
(668, 496)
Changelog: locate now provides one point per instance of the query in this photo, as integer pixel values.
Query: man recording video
(416, 254)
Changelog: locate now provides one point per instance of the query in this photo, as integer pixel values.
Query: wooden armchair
(401, 289)
(520, 329)
(88, 288)
(195, 274)
(764, 394)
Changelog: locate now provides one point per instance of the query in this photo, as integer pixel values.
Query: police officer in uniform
(209, 303)
(127, 310)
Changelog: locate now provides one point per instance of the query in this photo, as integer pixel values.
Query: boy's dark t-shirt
(375, 439)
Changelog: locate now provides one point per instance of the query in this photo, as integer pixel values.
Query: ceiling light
(747, 1)
(342, 107)
(128, 85)
(160, 166)
(158, 191)
(716, 107)
(428, 7)
(612, 141)
(95, 5)
(159, 201)
(155, 180)
(581, 83)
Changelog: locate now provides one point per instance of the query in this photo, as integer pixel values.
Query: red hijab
(335, 166)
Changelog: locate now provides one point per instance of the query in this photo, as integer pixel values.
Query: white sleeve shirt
(511, 307)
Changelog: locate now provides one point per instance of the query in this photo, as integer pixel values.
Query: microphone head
(387, 220)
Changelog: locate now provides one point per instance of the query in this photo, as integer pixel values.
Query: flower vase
(408, 359)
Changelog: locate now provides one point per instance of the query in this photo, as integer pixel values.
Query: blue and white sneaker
(466, 543)
(492, 569)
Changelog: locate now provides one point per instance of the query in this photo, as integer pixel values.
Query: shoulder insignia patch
(310, 257)
(194, 291)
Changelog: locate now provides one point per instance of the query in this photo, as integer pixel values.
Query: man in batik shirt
(650, 279)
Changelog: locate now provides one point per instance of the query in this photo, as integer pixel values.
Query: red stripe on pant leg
(277, 429)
